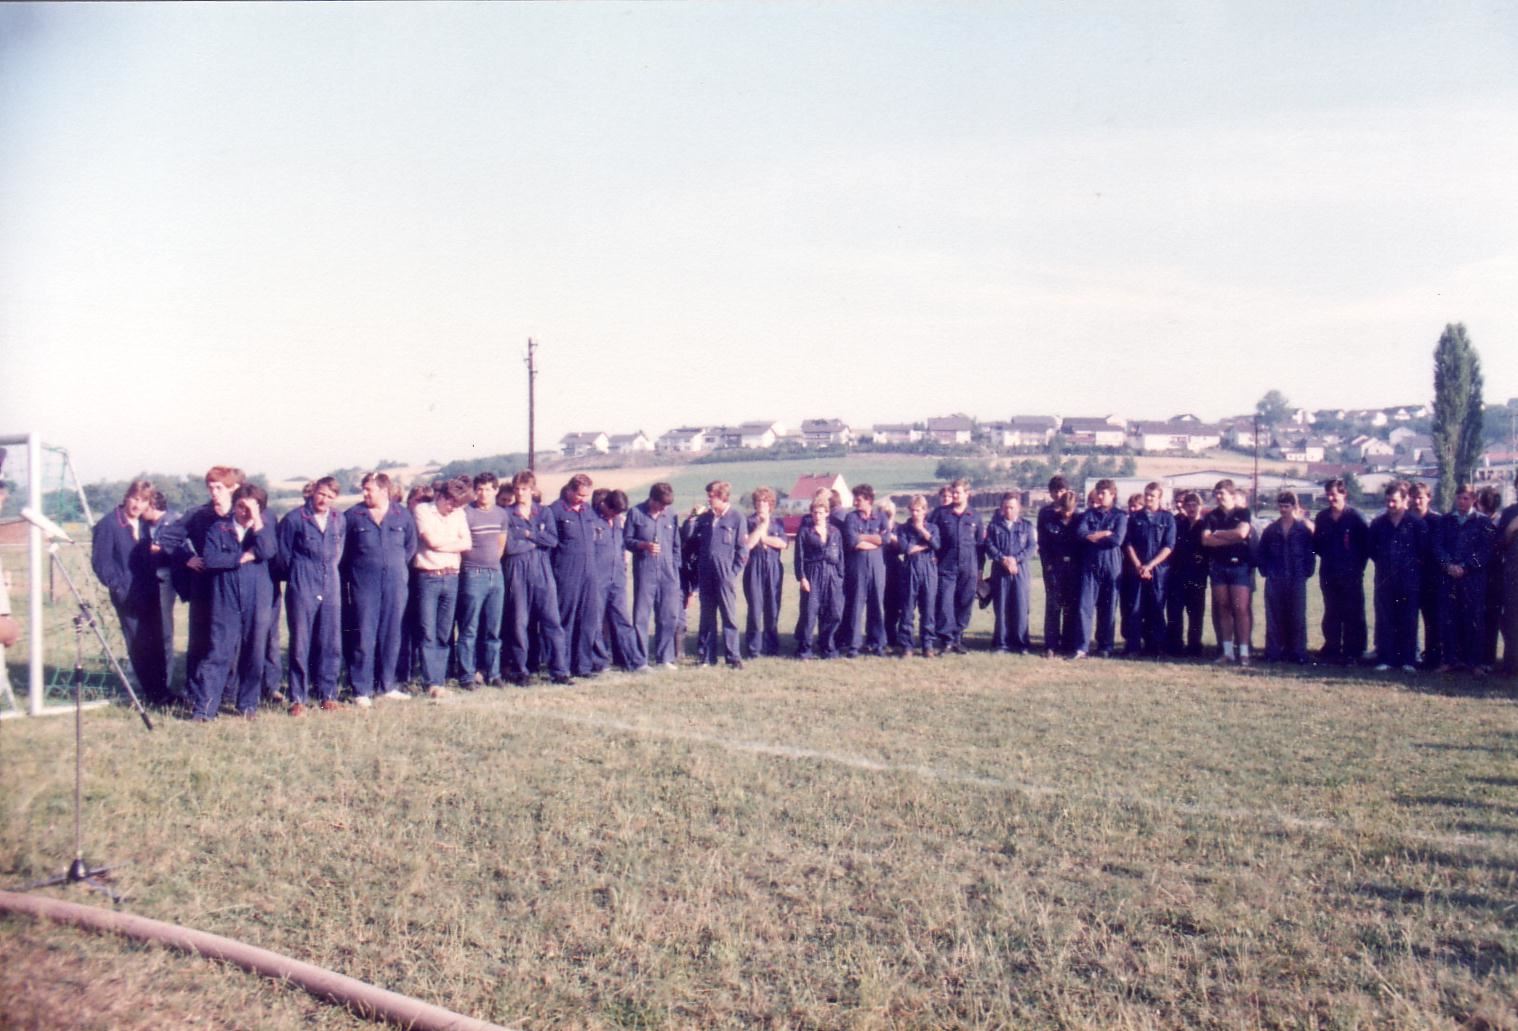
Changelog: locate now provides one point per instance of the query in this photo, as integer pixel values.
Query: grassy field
(981, 841)
(975, 841)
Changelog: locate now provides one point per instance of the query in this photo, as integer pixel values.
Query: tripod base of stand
(79, 873)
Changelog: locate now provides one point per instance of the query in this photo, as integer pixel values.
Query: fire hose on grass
(358, 996)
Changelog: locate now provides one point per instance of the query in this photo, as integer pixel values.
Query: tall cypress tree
(1457, 411)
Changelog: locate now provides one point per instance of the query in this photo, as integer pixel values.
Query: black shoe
(958, 649)
(497, 682)
(735, 664)
(560, 678)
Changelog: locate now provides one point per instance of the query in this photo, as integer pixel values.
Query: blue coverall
(821, 565)
(1101, 565)
(377, 567)
(241, 608)
(918, 585)
(532, 596)
(618, 641)
(763, 583)
(718, 551)
(582, 597)
(1009, 592)
(1470, 543)
(959, 534)
(656, 580)
(1286, 561)
(864, 583)
(1397, 550)
(1343, 549)
(1059, 552)
(1148, 533)
(125, 565)
(313, 600)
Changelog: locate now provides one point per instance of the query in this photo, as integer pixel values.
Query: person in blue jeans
(442, 536)
(482, 588)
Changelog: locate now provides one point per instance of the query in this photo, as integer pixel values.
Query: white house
(1407, 413)
(1305, 451)
(1365, 447)
(1021, 431)
(823, 432)
(895, 433)
(951, 429)
(630, 443)
(1108, 431)
(1188, 436)
(576, 444)
(684, 440)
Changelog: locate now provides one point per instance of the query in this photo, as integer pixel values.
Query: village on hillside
(1302, 447)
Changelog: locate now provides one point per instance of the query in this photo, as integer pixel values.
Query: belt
(437, 572)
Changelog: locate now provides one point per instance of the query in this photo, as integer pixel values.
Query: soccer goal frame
(37, 563)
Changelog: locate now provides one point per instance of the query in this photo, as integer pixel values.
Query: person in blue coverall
(763, 576)
(1286, 562)
(717, 552)
(618, 642)
(918, 542)
(532, 597)
(654, 538)
(1465, 550)
(959, 533)
(1101, 530)
(895, 572)
(1010, 544)
(158, 517)
(1397, 542)
(184, 544)
(1340, 537)
(1148, 544)
(239, 549)
(819, 575)
(582, 600)
(1129, 620)
(1059, 552)
(1186, 606)
(864, 535)
(311, 540)
(122, 557)
(1420, 500)
(381, 542)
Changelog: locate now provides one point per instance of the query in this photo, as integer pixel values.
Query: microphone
(50, 529)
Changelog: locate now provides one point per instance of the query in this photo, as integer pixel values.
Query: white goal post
(35, 562)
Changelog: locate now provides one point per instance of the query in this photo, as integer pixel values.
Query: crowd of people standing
(472, 581)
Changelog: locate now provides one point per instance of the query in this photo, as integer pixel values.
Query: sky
(299, 237)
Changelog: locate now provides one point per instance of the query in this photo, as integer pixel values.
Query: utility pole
(1254, 494)
(532, 377)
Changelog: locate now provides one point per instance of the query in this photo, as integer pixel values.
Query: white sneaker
(668, 665)
(362, 701)
(1409, 668)
(397, 694)
(1382, 667)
